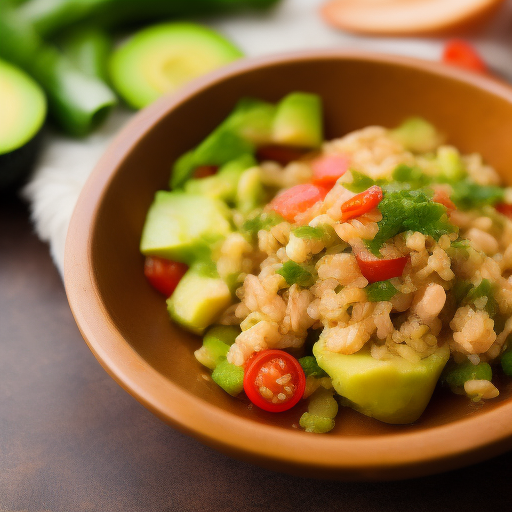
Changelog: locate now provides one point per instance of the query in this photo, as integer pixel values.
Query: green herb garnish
(468, 194)
(380, 291)
(295, 273)
(404, 210)
(261, 221)
(360, 182)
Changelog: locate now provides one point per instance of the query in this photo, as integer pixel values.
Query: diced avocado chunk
(229, 377)
(250, 193)
(181, 227)
(198, 300)
(298, 121)
(249, 124)
(418, 135)
(222, 185)
(393, 390)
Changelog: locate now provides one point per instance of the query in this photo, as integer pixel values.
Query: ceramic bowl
(125, 321)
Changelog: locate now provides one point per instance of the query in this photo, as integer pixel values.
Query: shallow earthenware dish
(125, 321)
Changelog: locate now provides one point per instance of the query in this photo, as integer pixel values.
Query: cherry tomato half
(442, 197)
(504, 209)
(361, 203)
(164, 275)
(461, 54)
(327, 169)
(281, 154)
(274, 380)
(297, 199)
(379, 269)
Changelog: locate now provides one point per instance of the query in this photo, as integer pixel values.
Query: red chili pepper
(274, 380)
(328, 169)
(361, 203)
(380, 269)
(461, 54)
(281, 154)
(297, 199)
(164, 275)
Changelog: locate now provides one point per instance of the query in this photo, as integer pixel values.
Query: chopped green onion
(295, 273)
(380, 291)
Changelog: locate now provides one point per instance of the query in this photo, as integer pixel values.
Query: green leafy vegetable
(311, 368)
(295, 273)
(468, 194)
(404, 210)
(380, 291)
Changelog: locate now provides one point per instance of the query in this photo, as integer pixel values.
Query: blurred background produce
(95, 58)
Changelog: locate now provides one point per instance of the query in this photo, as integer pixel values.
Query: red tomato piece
(442, 197)
(274, 380)
(461, 54)
(164, 275)
(379, 269)
(204, 171)
(327, 169)
(361, 203)
(504, 208)
(281, 154)
(297, 199)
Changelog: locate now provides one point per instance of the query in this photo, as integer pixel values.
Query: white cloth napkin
(65, 163)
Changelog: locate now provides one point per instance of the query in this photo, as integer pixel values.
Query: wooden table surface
(72, 440)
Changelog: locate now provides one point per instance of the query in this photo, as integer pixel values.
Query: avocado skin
(16, 165)
(393, 391)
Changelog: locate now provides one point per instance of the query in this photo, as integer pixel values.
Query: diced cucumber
(182, 227)
(298, 121)
(250, 193)
(322, 409)
(450, 163)
(229, 377)
(226, 334)
(506, 362)
(222, 185)
(198, 300)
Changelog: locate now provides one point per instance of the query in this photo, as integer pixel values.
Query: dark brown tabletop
(72, 440)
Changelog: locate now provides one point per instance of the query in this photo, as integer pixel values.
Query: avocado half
(23, 112)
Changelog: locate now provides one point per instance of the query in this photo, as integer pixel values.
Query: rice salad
(361, 271)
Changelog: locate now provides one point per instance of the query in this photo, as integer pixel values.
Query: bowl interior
(475, 114)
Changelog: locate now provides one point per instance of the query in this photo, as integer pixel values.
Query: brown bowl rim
(380, 457)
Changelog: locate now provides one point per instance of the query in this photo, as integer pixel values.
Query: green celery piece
(295, 273)
(380, 291)
(468, 194)
(229, 377)
(311, 368)
(455, 375)
(417, 135)
(404, 210)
